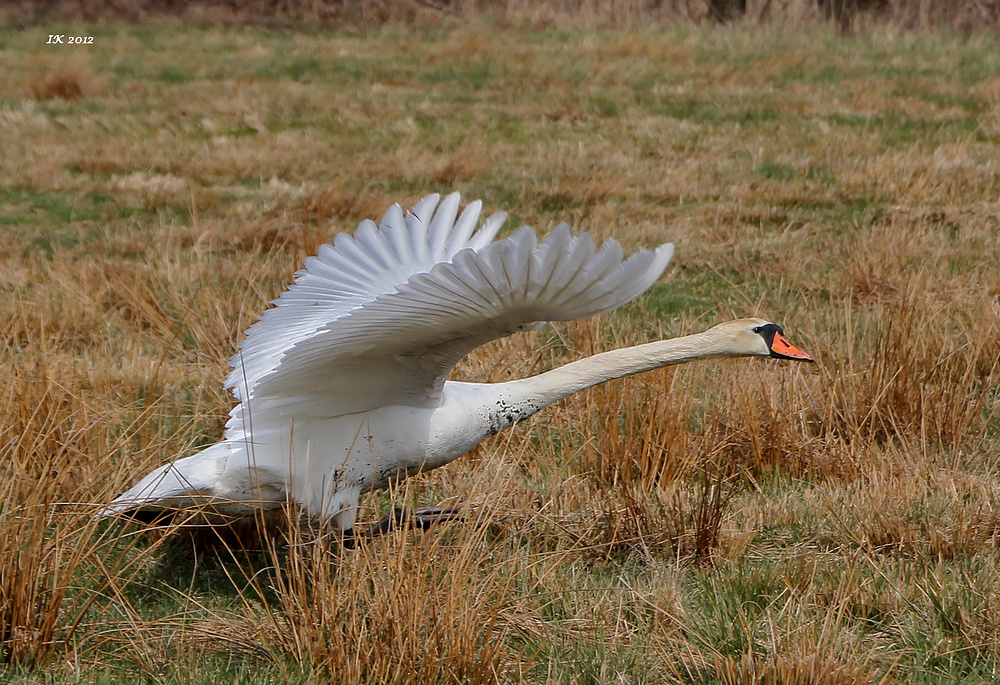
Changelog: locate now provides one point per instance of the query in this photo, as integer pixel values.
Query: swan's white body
(341, 385)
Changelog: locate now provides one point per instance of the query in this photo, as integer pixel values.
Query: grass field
(738, 522)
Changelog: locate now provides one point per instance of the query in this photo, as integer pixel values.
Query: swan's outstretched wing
(354, 270)
(397, 347)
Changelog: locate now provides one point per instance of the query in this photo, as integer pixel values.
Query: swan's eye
(757, 329)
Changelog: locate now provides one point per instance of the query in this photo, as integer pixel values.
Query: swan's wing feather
(399, 347)
(355, 270)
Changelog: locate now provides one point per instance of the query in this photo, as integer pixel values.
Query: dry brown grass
(65, 79)
(737, 522)
(428, 608)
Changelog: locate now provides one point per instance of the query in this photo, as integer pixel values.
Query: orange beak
(782, 349)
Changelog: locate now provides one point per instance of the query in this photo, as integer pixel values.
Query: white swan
(341, 385)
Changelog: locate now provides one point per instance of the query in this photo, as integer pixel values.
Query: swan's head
(759, 338)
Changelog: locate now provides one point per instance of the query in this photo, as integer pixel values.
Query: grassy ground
(734, 522)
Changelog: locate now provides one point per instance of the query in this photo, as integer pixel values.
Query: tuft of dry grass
(50, 544)
(65, 79)
(425, 608)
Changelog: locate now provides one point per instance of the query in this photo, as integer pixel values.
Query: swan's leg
(344, 515)
(422, 518)
(344, 519)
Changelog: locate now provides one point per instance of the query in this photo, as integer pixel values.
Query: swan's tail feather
(183, 483)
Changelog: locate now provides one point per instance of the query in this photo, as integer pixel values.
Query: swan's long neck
(519, 399)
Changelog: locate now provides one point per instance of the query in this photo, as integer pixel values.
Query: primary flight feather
(341, 386)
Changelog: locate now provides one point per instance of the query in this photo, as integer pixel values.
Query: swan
(341, 386)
